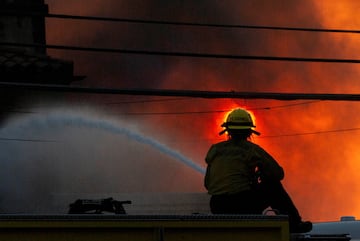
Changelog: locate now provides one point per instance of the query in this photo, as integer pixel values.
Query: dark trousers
(254, 201)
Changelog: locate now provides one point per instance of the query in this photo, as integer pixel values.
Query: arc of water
(85, 121)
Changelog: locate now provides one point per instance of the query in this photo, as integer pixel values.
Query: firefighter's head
(239, 123)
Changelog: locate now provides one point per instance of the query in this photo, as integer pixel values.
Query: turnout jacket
(231, 167)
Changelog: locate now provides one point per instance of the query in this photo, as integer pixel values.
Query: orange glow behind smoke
(320, 168)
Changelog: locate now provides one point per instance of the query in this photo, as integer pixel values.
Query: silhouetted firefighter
(229, 176)
(89, 206)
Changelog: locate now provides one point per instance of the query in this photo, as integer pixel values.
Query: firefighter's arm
(270, 169)
(208, 159)
(206, 179)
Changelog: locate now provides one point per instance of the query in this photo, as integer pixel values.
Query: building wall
(17, 27)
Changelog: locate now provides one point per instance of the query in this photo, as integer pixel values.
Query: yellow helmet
(239, 119)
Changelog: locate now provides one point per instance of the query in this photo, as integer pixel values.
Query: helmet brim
(240, 128)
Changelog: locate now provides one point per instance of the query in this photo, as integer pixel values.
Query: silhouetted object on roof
(30, 68)
(88, 206)
(29, 64)
(29, 29)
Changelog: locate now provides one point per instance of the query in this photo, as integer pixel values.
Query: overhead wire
(176, 112)
(284, 106)
(173, 53)
(201, 55)
(182, 92)
(266, 136)
(312, 133)
(177, 99)
(144, 101)
(217, 111)
(198, 24)
(175, 23)
(181, 54)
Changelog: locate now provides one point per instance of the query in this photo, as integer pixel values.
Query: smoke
(321, 166)
(66, 152)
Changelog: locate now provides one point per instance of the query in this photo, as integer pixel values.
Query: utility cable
(269, 136)
(144, 101)
(214, 111)
(312, 133)
(183, 93)
(169, 113)
(195, 24)
(175, 113)
(175, 23)
(181, 54)
(284, 106)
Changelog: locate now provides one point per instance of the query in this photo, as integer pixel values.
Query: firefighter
(242, 178)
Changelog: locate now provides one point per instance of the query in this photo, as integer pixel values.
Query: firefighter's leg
(247, 202)
(280, 200)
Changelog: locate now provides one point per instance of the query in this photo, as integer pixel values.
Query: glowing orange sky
(321, 168)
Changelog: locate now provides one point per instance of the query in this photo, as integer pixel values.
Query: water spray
(85, 121)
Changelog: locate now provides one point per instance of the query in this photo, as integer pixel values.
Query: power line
(207, 112)
(194, 24)
(180, 54)
(313, 133)
(216, 111)
(170, 113)
(175, 23)
(284, 106)
(144, 101)
(184, 93)
(177, 112)
(180, 99)
(269, 136)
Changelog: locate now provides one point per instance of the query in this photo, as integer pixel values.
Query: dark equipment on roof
(98, 206)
